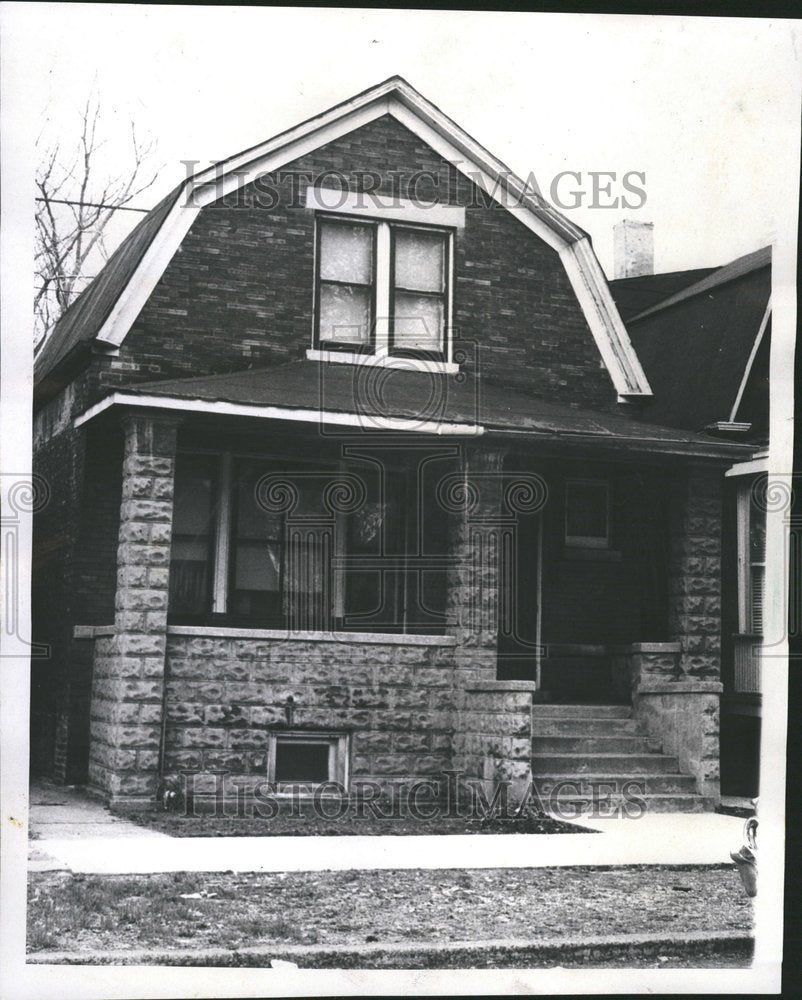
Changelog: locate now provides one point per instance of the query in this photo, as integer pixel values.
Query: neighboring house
(704, 339)
(357, 486)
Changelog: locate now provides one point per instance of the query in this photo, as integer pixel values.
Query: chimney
(633, 248)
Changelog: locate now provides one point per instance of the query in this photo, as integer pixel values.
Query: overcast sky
(706, 108)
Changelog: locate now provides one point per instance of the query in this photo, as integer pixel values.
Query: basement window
(587, 513)
(302, 760)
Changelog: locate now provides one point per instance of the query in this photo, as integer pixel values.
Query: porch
(381, 608)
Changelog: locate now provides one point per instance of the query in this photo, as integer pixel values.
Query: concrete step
(594, 744)
(576, 711)
(644, 784)
(577, 806)
(566, 726)
(603, 763)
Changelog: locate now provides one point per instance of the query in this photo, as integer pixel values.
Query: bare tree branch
(67, 235)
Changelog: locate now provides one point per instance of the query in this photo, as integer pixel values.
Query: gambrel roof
(104, 313)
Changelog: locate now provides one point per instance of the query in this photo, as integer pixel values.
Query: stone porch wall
(676, 686)
(493, 736)
(223, 692)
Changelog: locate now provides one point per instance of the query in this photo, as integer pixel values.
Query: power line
(93, 204)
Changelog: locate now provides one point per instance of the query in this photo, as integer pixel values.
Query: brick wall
(239, 291)
(59, 460)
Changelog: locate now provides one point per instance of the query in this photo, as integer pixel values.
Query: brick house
(704, 339)
(353, 479)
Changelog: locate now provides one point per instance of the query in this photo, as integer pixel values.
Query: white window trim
(745, 511)
(381, 356)
(588, 541)
(370, 205)
(384, 360)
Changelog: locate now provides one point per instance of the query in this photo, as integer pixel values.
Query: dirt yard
(83, 912)
(305, 823)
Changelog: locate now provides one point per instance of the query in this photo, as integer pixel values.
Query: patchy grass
(79, 913)
(305, 823)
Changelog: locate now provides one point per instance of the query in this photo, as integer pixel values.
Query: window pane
(257, 566)
(252, 520)
(418, 322)
(346, 253)
(345, 314)
(190, 549)
(586, 510)
(302, 762)
(419, 260)
(193, 497)
(195, 485)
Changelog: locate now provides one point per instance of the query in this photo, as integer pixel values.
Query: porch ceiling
(453, 404)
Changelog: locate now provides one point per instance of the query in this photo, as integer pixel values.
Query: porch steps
(596, 760)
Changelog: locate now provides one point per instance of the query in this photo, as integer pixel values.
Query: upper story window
(346, 290)
(418, 305)
(383, 279)
(587, 513)
(382, 288)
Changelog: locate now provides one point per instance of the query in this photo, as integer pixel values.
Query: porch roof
(368, 396)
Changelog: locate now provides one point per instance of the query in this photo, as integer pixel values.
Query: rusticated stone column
(676, 686)
(128, 682)
(474, 499)
(695, 572)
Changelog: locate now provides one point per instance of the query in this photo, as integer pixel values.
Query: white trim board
(751, 360)
(398, 99)
(286, 635)
(384, 207)
(759, 463)
(365, 422)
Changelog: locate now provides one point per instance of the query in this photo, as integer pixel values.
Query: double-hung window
(382, 288)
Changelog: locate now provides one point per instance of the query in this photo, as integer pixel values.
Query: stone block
(138, 487)
(392, 720)
(365, 743)
(140, 690)
(144, 737)
(207, 737)
(407, 742)
(410, 697)
(246, 739)
(146, 510)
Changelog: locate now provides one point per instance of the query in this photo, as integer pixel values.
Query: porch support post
(477, 529)
(128, 681)
(491, 744)
(677, 685)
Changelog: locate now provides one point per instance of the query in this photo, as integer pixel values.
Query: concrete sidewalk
(79, 834)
